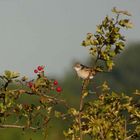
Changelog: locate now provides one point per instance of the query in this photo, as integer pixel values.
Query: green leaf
(115, 10)
(86, 43)
(73, 111)
(116, 29)
(15, 75)
(109, 64)
(99, 69)
(7, 74)
(11, 75)
(89, 36)
(93, 51)
(40, 82)
(57, 114)
(99, 29)
(112, 53)
(120, 45)
(85, 94)
(126, 23)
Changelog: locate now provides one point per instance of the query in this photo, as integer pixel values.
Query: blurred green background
(124, 78)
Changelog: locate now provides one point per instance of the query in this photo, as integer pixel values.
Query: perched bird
(84, 72)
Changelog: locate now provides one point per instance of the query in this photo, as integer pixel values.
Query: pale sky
(49, 32)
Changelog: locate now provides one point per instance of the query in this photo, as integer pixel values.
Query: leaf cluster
(108, 40)
(110, 116)
(34, 115)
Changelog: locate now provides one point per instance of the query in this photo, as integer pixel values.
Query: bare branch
(18, 126)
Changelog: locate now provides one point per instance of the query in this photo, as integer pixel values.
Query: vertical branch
(125, 128)
(84, 90)
(79, 117)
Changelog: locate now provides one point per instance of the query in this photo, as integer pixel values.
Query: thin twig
(102, 134)
(17, 126)
(51, 97)
(117, 18)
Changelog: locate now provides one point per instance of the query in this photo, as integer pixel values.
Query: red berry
(40, 68)
(30, 84)
(55, 82)
(58, 89)
(35, 71)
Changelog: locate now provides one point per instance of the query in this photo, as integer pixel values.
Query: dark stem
(117, 18)
(6, 84)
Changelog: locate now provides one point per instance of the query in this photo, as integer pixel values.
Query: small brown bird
(84, 72)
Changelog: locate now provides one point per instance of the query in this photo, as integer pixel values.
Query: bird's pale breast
(84, 74)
